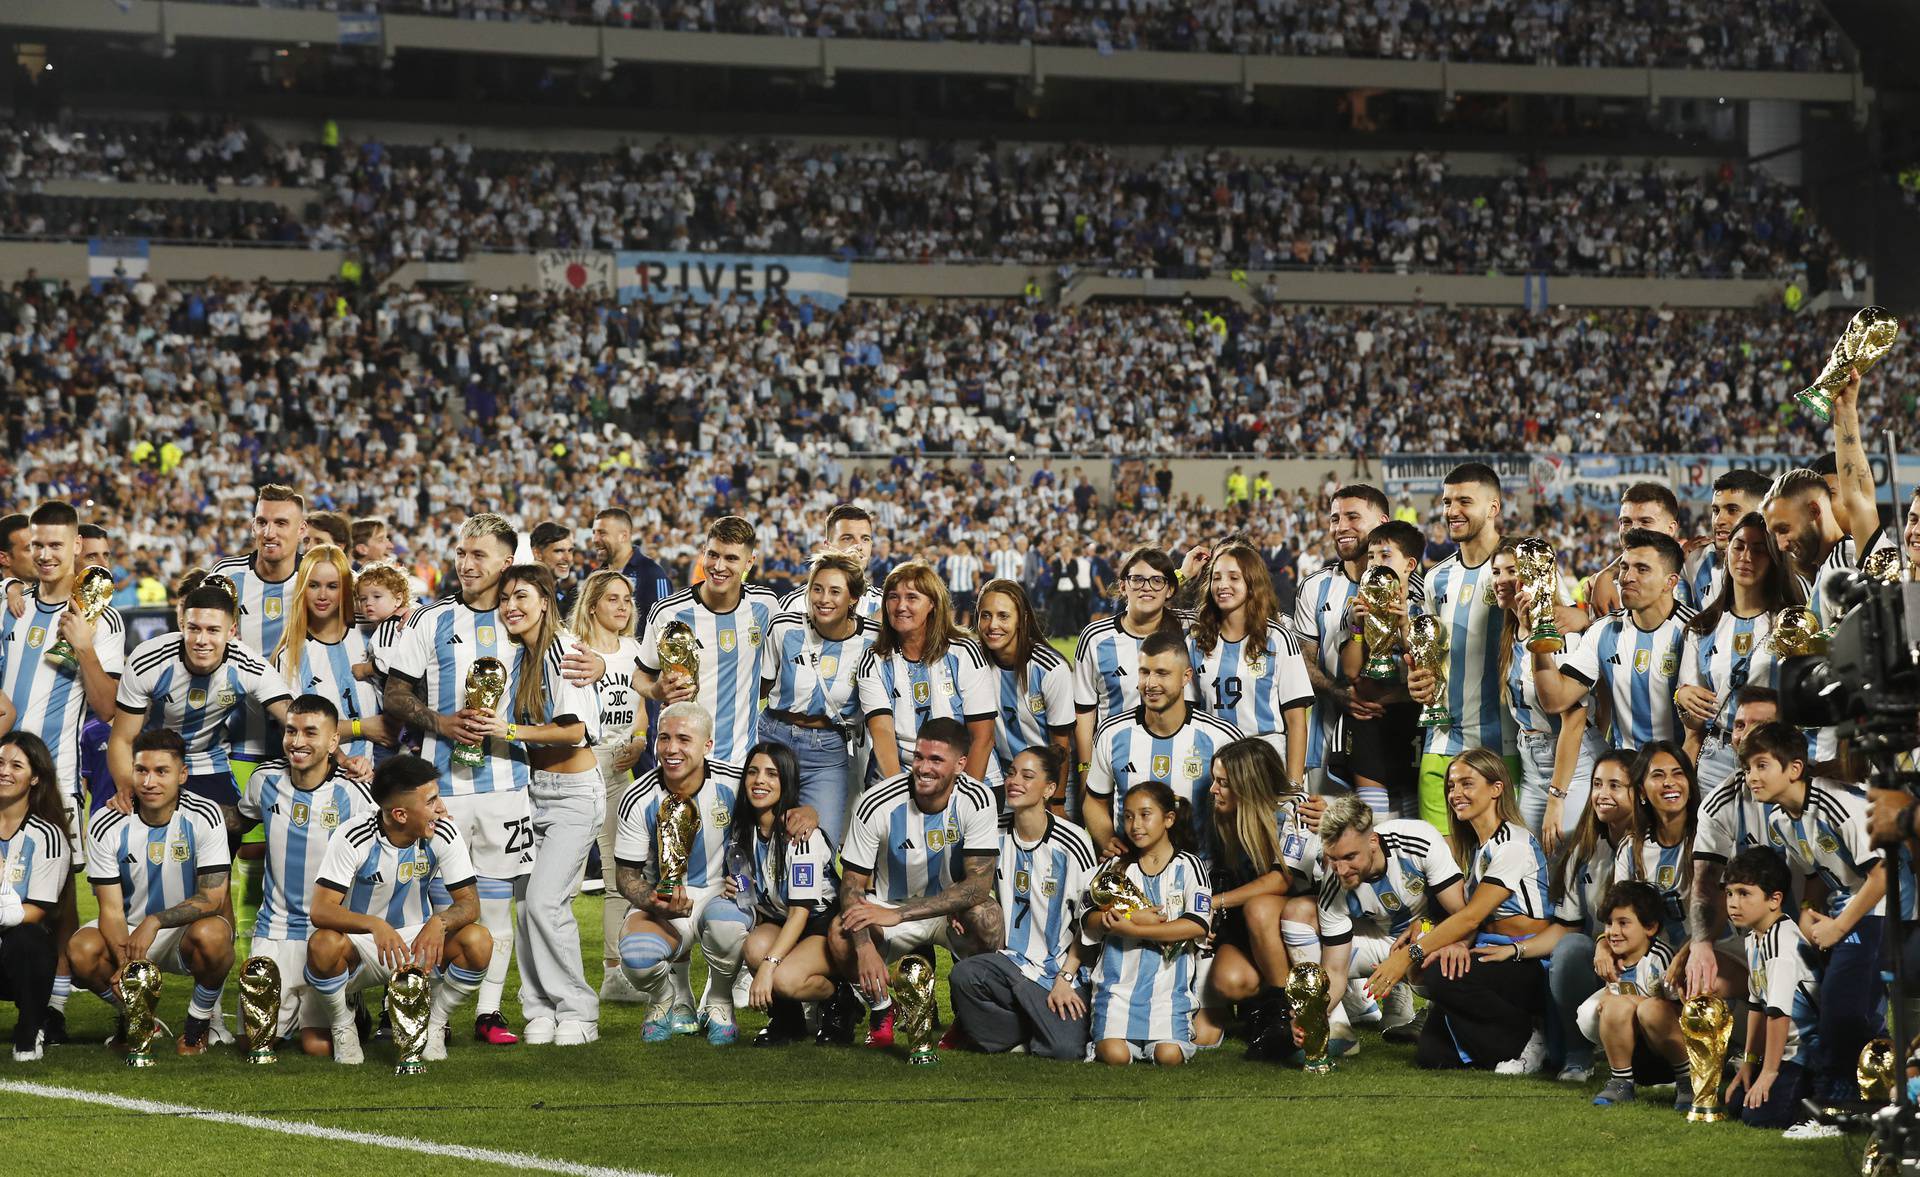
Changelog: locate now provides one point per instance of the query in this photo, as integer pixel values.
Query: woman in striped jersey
(1666, 811)
(322, 653)
(1726, 647)
(791, 889)
(35, 868)
(1555, 761)
(1035, 683)
(1579, 876)
(921, 667)
(1246, 661)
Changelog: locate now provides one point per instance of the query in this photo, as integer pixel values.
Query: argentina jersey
(326, 669)
(1106, 665)
(635, 842)
(1140, 993)
(734, 656)
(263, 618)
(1734, 655)
(202, 708)
(51, 701)
(36, 862)
(1419, 864)
(957, 685)
(1127, 753)
(1700, 577)
(1665, 868)
(374, 877)
(1523, 691)
(1319, 615)
(1847, 554)
(1828, 841)
(808, 674)
(1637, 669)
(1731, 820)
(868, 607)
(1036, 703)
(298, 824)
(1253, 689)
(439, 644)
(1647, 976)
(1513, 861)
(1462, 599)
(803, 876)
(156, 867)
(908, 853)
(1042, 888)
(1783, 981)
(1585, 884)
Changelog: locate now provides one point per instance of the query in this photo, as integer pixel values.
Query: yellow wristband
(356, 729)
(513, 732)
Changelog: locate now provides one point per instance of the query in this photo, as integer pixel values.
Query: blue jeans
(1570, 981)
(1852, 1004)
(825, 781)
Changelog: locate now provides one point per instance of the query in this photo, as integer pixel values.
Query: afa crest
(721, 815)
(330, 817)
(36, 636)
(225, 697)
(18, 874)
(728, 641)
(273, 608)
(1192, 768)
(1162, 766)
(1256, 665)
(1827, 843)
(1049, 887)
(417, 869)
(1037, 704)
(178, 851)
(1642, 659)
(1486, 595)
(1416, 884)
(753, 634)
(1669, 664)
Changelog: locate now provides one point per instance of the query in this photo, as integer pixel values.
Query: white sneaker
(742, 989)
(436, 1051)
(615, 987)
(576, 1033)
(1397, 1009)
(346, 1046)
(1531, 1061)
(35, 1053)
(217, 1032)
(1811, 1130)
(1574, 1074)
(539, 1032)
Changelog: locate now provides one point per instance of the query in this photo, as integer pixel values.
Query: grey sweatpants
(995, 1003)
(567, 809)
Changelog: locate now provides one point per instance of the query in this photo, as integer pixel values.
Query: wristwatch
(1556, 792)
(1416, 955)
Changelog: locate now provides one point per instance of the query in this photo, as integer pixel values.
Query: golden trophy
(222, 582)
(140, 989)
(1380, 589)
(1427, 642)
(913, 997)
(259, 1007)
(409, 1001)
(1111, 889)
(1539, 571)
(680, 650)
(1869, 336)
(92, 593)
(1306, 992)
(675, 830)
(1882, 565)
(486, 686)
(1876, 1071)
(1706, 1025)
(1796, 632)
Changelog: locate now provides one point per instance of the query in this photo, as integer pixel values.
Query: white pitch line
(148, 1107)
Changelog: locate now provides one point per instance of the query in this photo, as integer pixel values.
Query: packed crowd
(1749, 34)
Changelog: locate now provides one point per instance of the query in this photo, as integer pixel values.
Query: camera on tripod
(1867, 684)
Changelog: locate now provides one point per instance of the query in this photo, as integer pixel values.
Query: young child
(1821, 831)
(381, 600)
(1144, 989)
(1782, 1033)
(1632, 1019)
(1385, 749)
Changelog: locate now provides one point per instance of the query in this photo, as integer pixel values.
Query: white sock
(682, 986)
(332, 992)
(62, 989)
(722, 940)
(450, 989)
(497, 915)
(1302, 941)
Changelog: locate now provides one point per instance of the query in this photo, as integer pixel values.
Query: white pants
(567, 811)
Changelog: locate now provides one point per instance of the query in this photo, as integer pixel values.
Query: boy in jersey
(201, 683)
(1820, 828)
(1319, 618)
(1782, 1027)
(659, 935)
(300, 800)
(730, 620)
(384, 868)
(1164, 739)
(53, 702)
(1384, 750)
(487, 804)
(160, 875)
(1730, 821)
(1633, 1014)
(918, 869)
(1382, 878)
(1632, 658)
(1735, 494)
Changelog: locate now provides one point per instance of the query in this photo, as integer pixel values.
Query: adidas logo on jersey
(454, 640)
(906, 844)
(372, 880)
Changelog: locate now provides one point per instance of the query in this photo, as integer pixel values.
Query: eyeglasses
(1147, 582)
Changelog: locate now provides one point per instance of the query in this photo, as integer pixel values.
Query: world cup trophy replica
(409, 1002)
(259, 1008)
(1796, 631)
(1380, 589)
(486, 686)
(1539, 571)
(224, 583)
(140, 989)
(1307, 994)
(1869, 336)
(680, 650)
(1706, 1026)
(1875, 1073)
(913, 997)
(1427, 643)
(92, 593)
(676, 831)
(1109, 889)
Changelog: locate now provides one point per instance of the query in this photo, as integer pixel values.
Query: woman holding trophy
(1555, 761)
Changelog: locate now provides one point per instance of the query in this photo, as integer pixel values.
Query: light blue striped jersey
(908, 852)
(808, 674)
(1700, 577)
(36, 862)
(806, 876)
(734, 658)
(1462, 599)
(636, 838)
(1523, 691)
(393, 883)
(436, 648)
(1127, 753)
(156, 867)
(326, 669)
(869, 605)
(957, 685)
(1140, 993)
(202, 708)
(1648, 975)
(1419, 863)
(1513, 860)
(298, 825)
(1253, 690)
(1106, 666)
(1828, 841)
(1645, 860)
(1636, 670)
(1783, 981)
(264, 607)
(1736, 654)
(50, 701)
(1036, 701)
(1043, 889)
(1579, 906)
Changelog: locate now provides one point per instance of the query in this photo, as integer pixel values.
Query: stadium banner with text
(115, 259)
(1596, 480)
(574, 271)
(712, 277)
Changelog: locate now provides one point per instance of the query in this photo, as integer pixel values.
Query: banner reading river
(714, 277)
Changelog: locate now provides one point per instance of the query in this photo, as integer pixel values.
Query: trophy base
(1546, 642)
(140, 1059)
(1381, 669)
(1706, 1115)
(59, 661)
(467, 756)
(922, 1056)
(410, 1067)
(262, 1058)
(1815, 401)
(1318, 1066)
(1436, 716)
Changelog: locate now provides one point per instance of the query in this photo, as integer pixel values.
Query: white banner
(576, 271)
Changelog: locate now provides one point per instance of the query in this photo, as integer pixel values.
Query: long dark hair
(1780, 589)
(746, 820)
(1646, 822)
(1027, 633)
(1589, 832)
(1181, 835)
(43, 795)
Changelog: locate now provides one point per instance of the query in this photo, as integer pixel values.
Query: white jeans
(567, 811)
(1536, 773)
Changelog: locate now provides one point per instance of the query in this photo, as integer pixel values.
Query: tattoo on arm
(197, 906)
(632, 885)
(402, 702)
(464, 910)
(975, 888)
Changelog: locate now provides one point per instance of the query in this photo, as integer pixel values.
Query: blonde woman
(321, 652)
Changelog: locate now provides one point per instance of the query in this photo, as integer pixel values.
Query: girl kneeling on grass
(793, 886)
(1143, 990)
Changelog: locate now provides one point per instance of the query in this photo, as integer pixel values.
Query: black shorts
(963, 602)
(818, 922)
(1387, 749)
